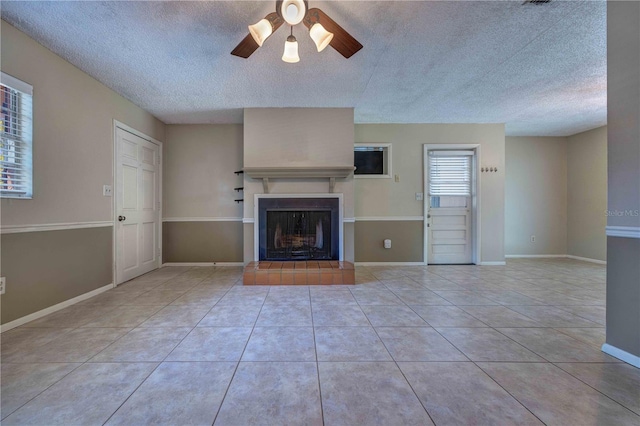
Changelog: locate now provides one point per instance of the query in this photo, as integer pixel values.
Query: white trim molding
(349, 220)
(133, 131)
(389, 218)
(621, 355)
(623, 231)
(54, 308)
(555, 256)
(534, 256)
(16, 229)
(248, 220)
(202, 219)
(202, 264)
(586, 259)
(390, 264)
(492, 264)
(15, 83)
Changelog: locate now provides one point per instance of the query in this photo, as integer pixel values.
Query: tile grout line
(152, 371)
(555, 364)
(393, 359)
(315, 349)
(509, 393)
(409, 277)
(474, 363)
(226, 392)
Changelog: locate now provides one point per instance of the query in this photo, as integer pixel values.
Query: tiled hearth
(322, 272)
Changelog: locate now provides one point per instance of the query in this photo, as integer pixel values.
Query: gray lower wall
(406, 241)
(623, 294)
(202, 241)
(46, 268)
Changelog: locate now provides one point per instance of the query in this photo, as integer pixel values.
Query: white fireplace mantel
(266, 173)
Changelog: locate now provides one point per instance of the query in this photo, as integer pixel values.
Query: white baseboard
(621, 355)
(554, 256)
(419, 264)
(534, 256)
(54, 308)
(202, 264)
(587, 259)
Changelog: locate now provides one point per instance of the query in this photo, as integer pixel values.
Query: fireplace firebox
(298, 229)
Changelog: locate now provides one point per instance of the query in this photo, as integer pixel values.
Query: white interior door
(450, 207)
(137, 206)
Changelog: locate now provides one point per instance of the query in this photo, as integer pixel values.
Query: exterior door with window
(137, 206)
(449, 208)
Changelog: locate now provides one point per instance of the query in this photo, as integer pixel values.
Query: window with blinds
(15, 138)
(450, 178)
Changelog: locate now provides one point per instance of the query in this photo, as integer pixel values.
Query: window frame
(386, 147)
(25, 138)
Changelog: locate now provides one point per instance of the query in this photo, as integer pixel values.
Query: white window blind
(450, 173)
(15, 138)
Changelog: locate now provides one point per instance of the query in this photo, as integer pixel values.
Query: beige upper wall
(556, 189)
(198, 174)
(385, 197)
(587, 194)
(298, 137)
(536, 195)
(623, 114)
(72, 135)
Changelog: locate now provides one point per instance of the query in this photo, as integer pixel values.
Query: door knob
(121, 218)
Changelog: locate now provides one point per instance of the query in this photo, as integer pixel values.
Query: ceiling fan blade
(342, 41)
(248, 45)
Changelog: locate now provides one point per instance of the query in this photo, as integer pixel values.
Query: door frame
(475, 197)
(114, 191)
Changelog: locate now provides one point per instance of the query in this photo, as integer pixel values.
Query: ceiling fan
(322, 29)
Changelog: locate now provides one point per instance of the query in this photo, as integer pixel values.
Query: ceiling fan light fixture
(260, 31)
(293, 11)
(291, 50)
(320, 36)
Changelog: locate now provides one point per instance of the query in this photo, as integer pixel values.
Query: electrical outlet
(3, 285)
(106, 190)
(419, 196)
(533, 238)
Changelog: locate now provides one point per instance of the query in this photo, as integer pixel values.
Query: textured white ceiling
(541, 69)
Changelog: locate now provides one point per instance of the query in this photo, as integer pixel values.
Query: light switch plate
(3, 285)
(106, 190)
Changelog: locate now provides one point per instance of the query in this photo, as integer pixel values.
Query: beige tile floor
(407, 345)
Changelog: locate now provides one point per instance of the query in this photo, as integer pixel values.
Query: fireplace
(298, 228)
